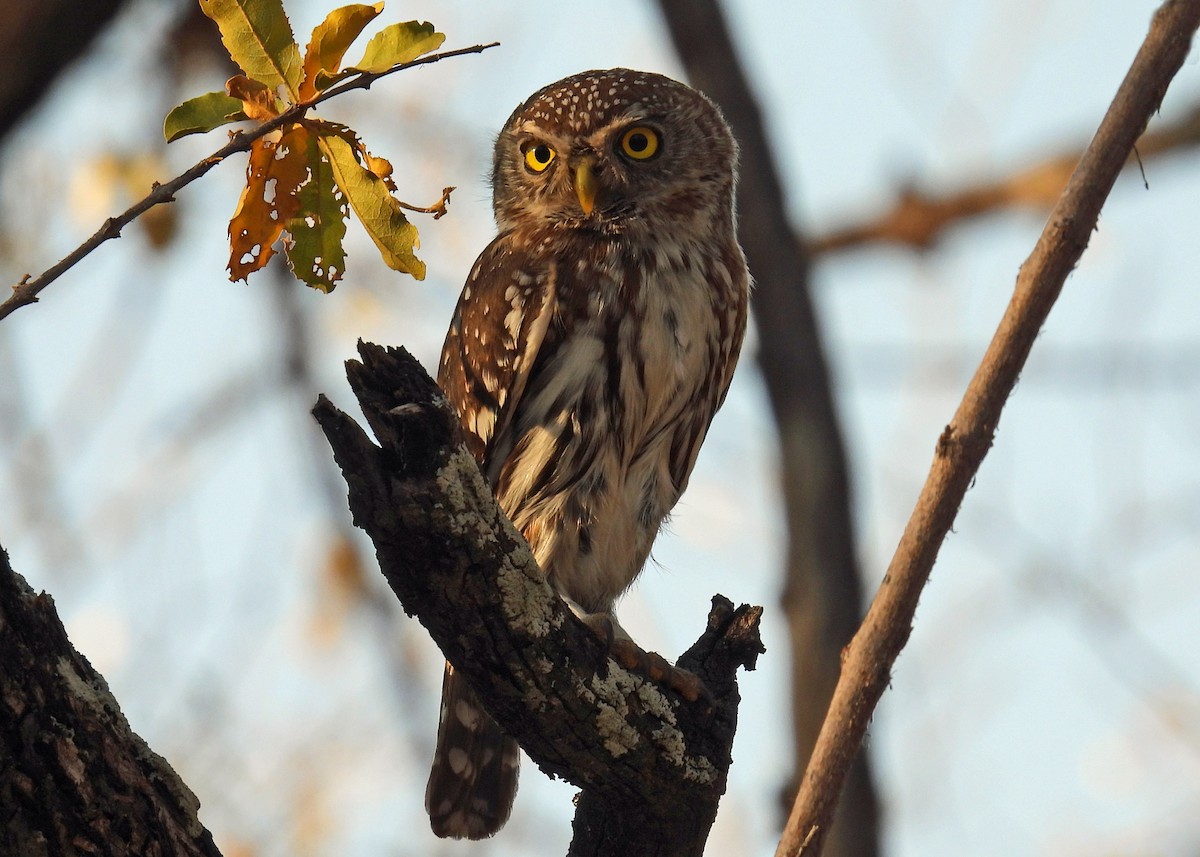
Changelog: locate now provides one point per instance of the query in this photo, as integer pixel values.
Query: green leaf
(200, 114)
(259, 39)
(330, 40)
(376, 208)
(399, 43)
(314, 250)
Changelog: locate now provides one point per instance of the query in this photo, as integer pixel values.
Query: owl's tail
(474, 776)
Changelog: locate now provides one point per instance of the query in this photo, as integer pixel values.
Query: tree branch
(919, 219)
(964, 443)
(38, 40)
(74, 779)
(822, 596)
(27, 290)
(651, 765)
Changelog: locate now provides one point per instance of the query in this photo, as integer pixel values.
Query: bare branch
(27, 290)
(964, 443)
(919, 219)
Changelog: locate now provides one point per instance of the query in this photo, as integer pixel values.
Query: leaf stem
(438, 209)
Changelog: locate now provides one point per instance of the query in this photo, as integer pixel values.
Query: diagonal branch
(651, 765)
(964, 443)
(918, 219)
(27, 290)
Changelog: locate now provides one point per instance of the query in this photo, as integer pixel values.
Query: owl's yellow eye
(538, 157)
(640, 143)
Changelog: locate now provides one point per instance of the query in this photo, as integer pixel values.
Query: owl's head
(612, 150)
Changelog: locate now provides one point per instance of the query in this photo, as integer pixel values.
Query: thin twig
(962, 446)
(26, 291)
(363, 80)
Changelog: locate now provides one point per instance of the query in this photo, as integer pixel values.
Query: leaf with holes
(270, 200)
(314, 247)
(381, 167)
(377, 210)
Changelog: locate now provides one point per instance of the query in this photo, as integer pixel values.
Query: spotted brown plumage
(594, 340)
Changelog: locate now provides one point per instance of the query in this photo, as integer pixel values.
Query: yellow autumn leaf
(377, 210)
(330, 40)
(258, 100)
(391, 46)
(399, 43)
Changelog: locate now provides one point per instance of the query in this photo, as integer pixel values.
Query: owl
(593, 342)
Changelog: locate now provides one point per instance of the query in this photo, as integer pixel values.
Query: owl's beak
(585, 184)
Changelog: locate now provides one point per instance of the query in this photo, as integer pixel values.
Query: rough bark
(38, 39)
(822, 597)
(652, 766)
(74, 779)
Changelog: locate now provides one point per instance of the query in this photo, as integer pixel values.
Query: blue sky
(168, 497)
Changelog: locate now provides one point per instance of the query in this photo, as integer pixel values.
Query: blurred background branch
(919, 219)
(821, 592)
(38, 40)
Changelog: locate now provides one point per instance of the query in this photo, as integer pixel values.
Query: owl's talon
(659, 670)
(601, 624)
(622, 649)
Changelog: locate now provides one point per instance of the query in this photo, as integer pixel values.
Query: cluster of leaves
(303, 179)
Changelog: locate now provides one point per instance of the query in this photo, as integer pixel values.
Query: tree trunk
(822, 596)
(74, 779)
(38, 39)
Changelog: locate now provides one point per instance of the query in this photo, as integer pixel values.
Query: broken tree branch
(651, 765)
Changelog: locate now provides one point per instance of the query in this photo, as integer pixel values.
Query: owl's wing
(498, 329)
